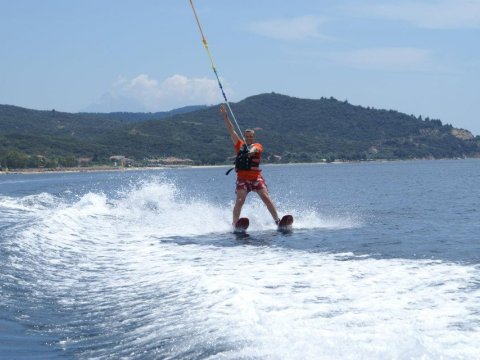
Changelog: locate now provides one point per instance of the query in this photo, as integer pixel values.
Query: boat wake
(99, 280)
(148, 209)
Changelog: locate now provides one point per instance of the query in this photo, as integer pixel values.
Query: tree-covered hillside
(291, 130)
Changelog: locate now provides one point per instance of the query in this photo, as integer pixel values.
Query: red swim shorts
(251, 185)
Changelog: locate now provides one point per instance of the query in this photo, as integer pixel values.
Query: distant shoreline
(103, 169)
(84, 169)
(169, 167)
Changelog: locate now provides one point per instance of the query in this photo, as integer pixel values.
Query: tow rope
(204, 40)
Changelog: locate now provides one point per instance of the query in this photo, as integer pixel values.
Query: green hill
(292, 129)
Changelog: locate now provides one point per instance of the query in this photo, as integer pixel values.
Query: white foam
(154, 208)
(263, 302)
(104, 262)
(28, 203)
(278, 304)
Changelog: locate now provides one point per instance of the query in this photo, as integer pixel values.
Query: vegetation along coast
(292, 130)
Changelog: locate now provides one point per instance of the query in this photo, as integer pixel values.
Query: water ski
(285, 223)
(241, 226)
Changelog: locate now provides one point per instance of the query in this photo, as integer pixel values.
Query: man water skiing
(247, 164)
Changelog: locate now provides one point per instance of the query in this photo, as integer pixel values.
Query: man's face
(249, 138)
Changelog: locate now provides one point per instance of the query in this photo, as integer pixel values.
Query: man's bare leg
(239, 201)
(263, 193)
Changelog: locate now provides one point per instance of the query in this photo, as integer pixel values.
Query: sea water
(384, 262)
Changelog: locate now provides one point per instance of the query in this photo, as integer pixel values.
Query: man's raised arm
(228, 123)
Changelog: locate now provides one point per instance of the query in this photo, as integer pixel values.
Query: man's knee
(241, 196)
(263, 193)
(240, 201)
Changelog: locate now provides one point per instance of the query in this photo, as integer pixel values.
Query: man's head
(249, 136)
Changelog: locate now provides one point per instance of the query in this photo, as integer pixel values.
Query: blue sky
(418, 57)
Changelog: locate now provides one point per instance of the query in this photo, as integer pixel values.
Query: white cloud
(390, 58)
(429, 14)
(297, 28)
(175, 91)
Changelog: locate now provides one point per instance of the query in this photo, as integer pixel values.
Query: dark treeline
(291, 130)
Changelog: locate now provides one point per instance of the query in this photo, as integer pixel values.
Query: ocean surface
(383, 263)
